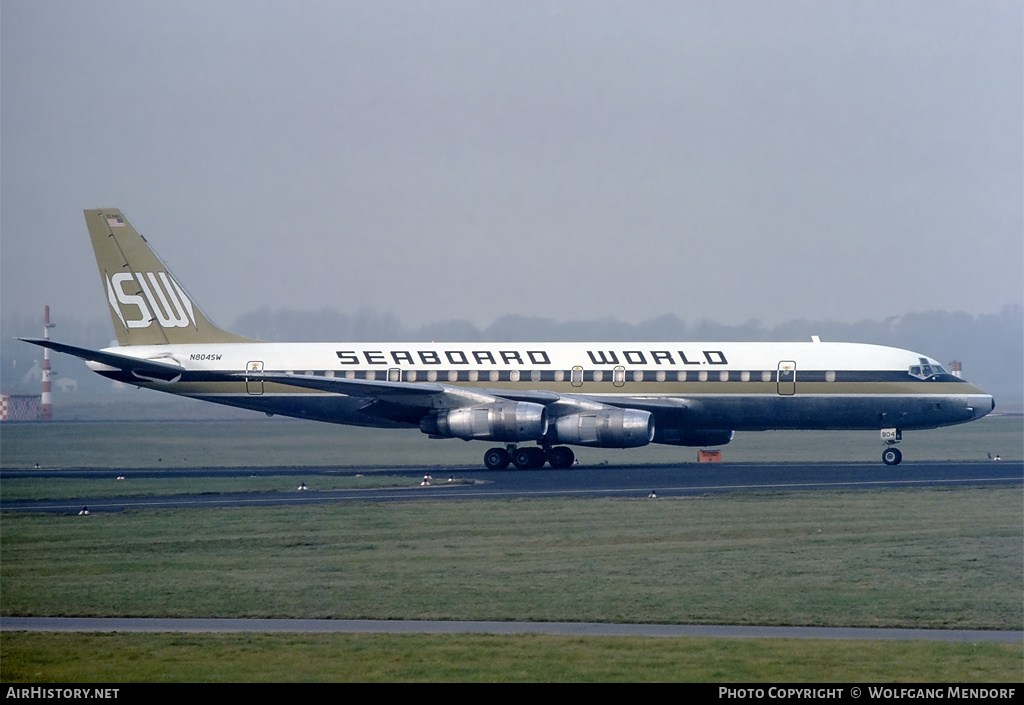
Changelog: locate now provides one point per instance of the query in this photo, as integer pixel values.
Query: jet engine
(611, 428)
(506, 421)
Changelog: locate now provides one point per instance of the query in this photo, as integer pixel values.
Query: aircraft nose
(983, 406)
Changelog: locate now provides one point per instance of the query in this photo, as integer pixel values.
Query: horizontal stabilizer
(143, 369)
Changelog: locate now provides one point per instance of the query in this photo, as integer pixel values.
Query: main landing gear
(531, 458)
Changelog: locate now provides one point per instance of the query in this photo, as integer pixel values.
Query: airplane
(532, 400)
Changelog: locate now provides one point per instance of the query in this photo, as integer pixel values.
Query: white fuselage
(735, 386)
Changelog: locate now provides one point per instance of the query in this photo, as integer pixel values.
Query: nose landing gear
(891, 455)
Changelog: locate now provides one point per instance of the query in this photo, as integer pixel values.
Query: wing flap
(652, 404)
(431, 395)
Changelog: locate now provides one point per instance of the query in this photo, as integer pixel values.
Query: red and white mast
(46, 407)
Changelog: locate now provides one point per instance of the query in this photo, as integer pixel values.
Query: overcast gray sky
(439, 160)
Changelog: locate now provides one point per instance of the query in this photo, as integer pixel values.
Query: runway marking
(324, 496)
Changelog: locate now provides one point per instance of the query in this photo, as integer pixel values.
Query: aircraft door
(254, 377)
(787, 378)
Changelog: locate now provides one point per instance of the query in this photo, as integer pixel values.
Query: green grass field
(900, 558)
(927, 558)
(192, 658)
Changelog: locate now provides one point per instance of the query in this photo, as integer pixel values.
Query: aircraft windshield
(926, 371)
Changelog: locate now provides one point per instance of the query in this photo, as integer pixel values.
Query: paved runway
(633, 481)
(606, 481)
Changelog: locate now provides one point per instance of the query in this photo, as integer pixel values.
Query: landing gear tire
(561, 457)
(497, 459)
(892, 456)
(528, 458)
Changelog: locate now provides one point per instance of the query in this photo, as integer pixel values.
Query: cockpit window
(931, 372)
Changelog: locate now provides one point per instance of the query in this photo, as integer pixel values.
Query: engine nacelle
(693, 436)
(611, 428)
(507, 421)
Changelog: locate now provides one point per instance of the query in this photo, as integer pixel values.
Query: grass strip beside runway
(922, 558)
(132, 658)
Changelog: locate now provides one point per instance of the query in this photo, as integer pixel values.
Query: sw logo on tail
(172, 307)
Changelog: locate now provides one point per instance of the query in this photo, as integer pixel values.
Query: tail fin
(147, 304)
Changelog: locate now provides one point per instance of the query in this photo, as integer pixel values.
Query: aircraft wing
(431, 395)
(150, 370)
(351, 387)
(653, 404)
(535, 396)
(415, 395)
(413, 391)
